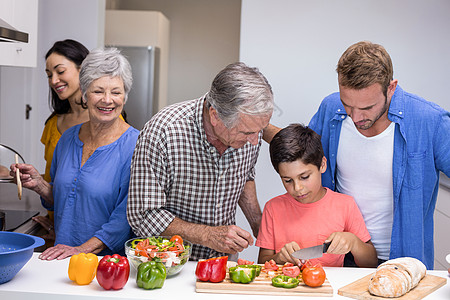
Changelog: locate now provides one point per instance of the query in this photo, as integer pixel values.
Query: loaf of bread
(396, 277)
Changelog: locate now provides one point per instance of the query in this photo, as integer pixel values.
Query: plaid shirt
(175, 171)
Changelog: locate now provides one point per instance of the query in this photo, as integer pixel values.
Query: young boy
(309, 214)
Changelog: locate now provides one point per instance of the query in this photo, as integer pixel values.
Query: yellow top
(50, 137)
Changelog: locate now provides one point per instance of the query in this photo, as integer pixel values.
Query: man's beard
(369, 123)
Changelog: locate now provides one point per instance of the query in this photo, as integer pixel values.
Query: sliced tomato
(288, 264)
(241, 262)
(141, 250)
(177, 238)
(291, 271)
(271, 265)
(161, 255)
(177, 247)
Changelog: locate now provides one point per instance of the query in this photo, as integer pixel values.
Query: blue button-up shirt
(91, 200)
(421, 150)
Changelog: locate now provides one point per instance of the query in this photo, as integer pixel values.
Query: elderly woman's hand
(29, 176)
(32, 179)
(60, 251)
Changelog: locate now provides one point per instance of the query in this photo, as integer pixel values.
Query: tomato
(291, 271)
(141, 250)
(271, 265)
(161, 255)
(177, 247)
(241, 262)
(176, 238)
(313, 275)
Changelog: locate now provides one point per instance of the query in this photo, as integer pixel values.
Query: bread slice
(396, 277)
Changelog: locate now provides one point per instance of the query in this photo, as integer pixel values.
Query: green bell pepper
(256, 267)
(285, 281)
(242, 274)
(151, 275)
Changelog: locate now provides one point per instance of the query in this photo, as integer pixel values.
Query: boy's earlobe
(323, 165)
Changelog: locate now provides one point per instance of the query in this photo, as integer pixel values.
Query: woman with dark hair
(63, 62)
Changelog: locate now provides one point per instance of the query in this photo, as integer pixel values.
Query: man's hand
(228, 239)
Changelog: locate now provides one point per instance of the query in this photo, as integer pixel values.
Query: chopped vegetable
(172, 252)
(113, 272)
(242, 274)
(289, 269)
(242, 262)
(256, 267)
(82, 268)
(151, 275)
(271, 265)
(285, 282)
(212, 269)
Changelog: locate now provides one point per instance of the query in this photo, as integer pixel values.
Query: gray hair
(105, 62)
(239, 89)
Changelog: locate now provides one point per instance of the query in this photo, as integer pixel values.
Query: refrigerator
(143, 99)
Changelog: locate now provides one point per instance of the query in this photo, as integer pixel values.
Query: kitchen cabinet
(23, 16)
(49, 280)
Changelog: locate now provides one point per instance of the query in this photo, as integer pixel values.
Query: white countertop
(48, 280)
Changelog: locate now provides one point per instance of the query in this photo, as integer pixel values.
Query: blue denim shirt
(421, 150)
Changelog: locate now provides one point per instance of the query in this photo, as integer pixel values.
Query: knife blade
(311, 252)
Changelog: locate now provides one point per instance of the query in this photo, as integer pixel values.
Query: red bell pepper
(212, 269)
(113, 272)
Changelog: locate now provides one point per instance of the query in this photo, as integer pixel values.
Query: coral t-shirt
(285, 220)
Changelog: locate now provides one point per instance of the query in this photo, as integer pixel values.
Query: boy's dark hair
(296, 142)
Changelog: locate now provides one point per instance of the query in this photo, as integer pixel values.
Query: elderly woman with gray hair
(91, 165)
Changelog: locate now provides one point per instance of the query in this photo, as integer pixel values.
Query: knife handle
(326, 246)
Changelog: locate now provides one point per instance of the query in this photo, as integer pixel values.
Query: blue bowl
(16, 250)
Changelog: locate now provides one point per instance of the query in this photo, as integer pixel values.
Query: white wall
(297, 43)
(204, 38)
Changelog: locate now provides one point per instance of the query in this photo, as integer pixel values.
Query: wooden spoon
(19, 183)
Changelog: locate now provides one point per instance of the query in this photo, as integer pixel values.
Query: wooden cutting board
(262, 286)
(359, 289)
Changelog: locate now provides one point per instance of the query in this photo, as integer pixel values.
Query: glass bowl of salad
(173, 251)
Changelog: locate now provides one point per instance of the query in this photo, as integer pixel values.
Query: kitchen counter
(49, 280)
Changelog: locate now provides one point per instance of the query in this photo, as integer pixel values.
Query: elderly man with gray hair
(194, 162)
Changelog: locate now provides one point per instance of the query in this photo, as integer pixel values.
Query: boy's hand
(341, 242)
(285, 253)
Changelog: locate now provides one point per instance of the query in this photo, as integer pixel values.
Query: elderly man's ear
(213, 116)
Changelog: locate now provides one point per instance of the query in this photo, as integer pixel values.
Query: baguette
(396, 277)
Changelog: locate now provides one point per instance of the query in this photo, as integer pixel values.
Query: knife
(311, 252)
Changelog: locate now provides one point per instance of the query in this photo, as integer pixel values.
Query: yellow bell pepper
(82, 268)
